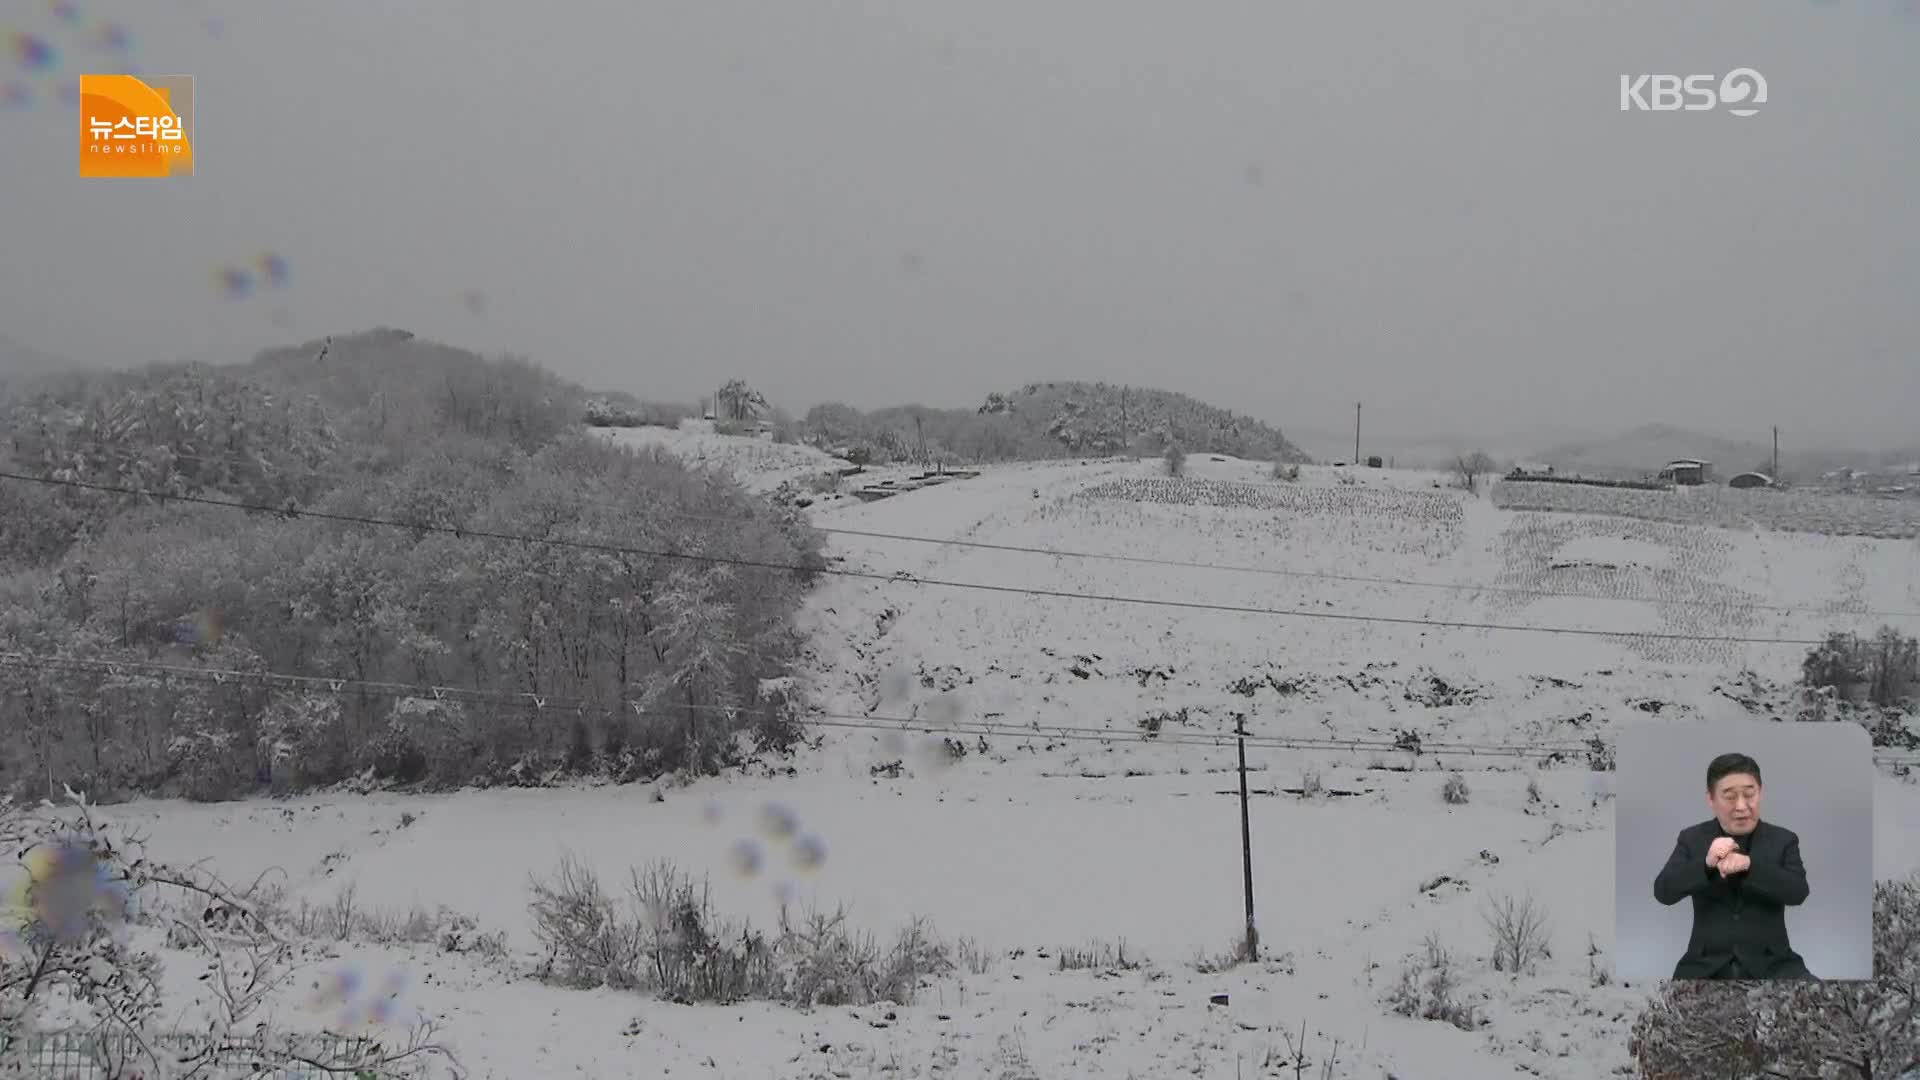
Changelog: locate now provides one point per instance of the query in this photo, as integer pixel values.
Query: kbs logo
(134, 127)
(1740, 91)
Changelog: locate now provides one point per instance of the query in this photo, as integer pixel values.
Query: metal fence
(95, 1055)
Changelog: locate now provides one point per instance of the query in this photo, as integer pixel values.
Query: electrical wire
(903, 577)
(1148, 560)
(326, 685)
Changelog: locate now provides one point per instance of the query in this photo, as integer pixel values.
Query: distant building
(1687, 472)
(1751, 480)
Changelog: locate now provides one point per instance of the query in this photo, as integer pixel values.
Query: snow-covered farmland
(1832, 514)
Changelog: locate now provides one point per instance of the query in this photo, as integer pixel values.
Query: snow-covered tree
(698, 642)
(738, 401)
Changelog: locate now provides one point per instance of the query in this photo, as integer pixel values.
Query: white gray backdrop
(1817, 781)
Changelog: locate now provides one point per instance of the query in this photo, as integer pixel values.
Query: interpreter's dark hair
(1728, 764)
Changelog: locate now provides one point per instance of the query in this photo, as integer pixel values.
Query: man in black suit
(1742, 874)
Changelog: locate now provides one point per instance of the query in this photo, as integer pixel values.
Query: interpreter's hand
(1734, 863)
(1718, 850)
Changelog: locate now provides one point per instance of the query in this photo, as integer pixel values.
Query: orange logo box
(136, 127)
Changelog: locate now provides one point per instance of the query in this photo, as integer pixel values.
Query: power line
(1353, 578)
(903, 577)
(301, 683)
(1148, 560)
(314, 685)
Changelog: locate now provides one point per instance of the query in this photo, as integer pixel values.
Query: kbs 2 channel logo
(136, 127)
(1740, 91)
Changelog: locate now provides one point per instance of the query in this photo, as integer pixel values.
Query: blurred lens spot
(31, 51)
(778, 822)
(896, 684)
(233, 282)
(946, 709)
(746, 858)
(809, 853)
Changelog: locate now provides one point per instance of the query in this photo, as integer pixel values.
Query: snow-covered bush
(1883, 670)
(425, 739)
(210, 765)
(303, 741)
(86, 955)
(1855, 1030)
(1429, 988)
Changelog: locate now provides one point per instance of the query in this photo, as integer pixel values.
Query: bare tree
(1520, 934)
(1471, 467)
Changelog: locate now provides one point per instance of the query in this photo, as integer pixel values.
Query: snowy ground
(1033, 841)
(759, 464)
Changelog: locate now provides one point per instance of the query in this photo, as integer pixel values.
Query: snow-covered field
(1080, 809)
(1830, 513)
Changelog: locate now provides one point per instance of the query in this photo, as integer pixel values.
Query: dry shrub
(1101, 956)
(588, 941)
(971, 958)
(1431, 998)
(1311, 785)
(1520, 933)
(668, 939)
(1854, 1030)
(1215, 963)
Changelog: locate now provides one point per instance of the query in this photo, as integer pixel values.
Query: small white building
(1687, 472)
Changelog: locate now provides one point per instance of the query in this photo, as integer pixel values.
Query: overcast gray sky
(1279, 206)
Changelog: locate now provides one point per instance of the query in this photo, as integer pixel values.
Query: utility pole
(1776, 453)
(1356, 433)
(1246, 841)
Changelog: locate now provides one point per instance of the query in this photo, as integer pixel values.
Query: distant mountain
(1051, 420)
(1425, 450)
(1647, 448)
